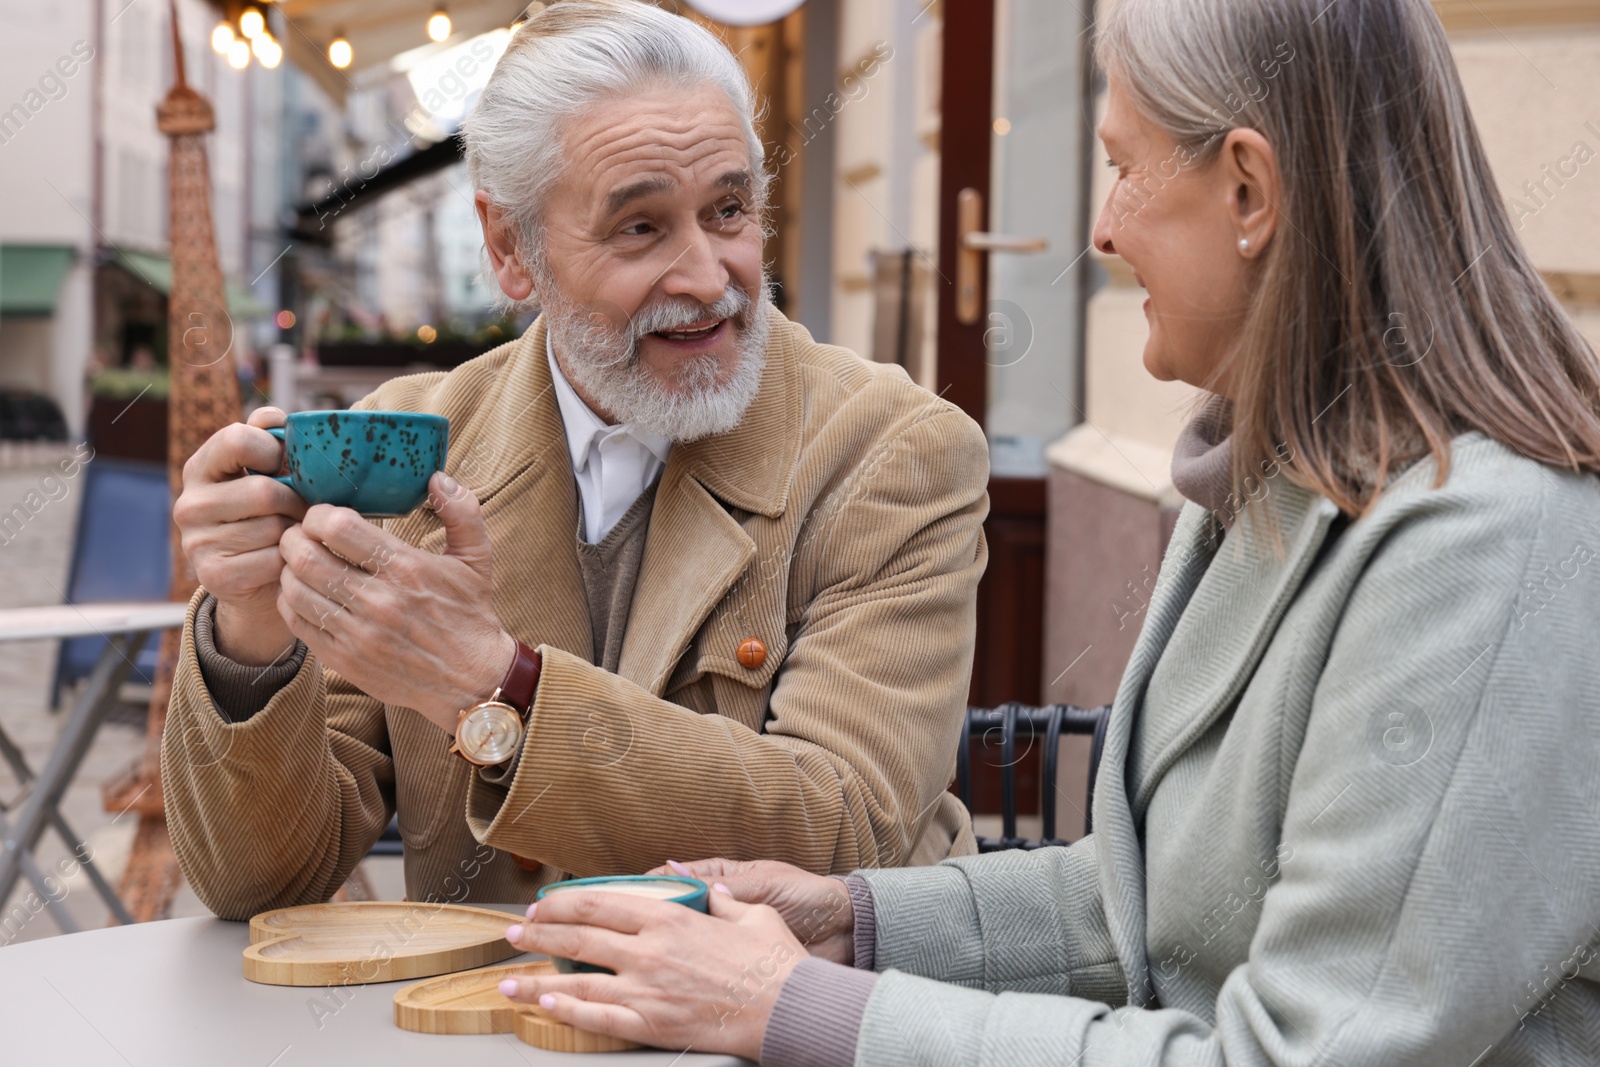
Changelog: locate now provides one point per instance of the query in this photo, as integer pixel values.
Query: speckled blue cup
(696, 894)
(377, 462)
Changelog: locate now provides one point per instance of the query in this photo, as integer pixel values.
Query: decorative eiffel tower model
(204, 398)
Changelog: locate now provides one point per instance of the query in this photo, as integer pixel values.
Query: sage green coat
(1348, 814)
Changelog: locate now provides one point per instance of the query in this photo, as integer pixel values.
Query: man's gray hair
(564, 60)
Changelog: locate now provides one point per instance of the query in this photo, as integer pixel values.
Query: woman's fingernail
(509, 987)
(513, 932)
(719, 887)
(531, 907)
(548, 1002)
(448, 484)
(680, 868)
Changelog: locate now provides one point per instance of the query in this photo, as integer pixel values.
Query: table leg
(53, 903)
(77, 733)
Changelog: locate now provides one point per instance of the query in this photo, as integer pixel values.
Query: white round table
(173, 993)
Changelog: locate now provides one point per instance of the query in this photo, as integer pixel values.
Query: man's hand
(230, 523)
(816, 908)
(408, 627)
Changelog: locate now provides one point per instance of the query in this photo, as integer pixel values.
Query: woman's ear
(500, 239)
(1250, 168)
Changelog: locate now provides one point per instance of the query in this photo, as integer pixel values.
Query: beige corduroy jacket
(840, 524)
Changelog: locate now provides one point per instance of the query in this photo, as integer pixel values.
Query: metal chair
(1014, 720)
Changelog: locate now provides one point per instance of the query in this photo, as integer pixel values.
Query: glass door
(1034, 232)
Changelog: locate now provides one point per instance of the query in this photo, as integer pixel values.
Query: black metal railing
(1014, 721)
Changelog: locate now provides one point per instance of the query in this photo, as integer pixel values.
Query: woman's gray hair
(1396, 308)
(564, 60)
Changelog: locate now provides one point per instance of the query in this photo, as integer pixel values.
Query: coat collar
(1239, 601)
(696, 549)
(1215, 608)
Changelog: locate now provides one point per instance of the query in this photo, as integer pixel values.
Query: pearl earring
(1244, 244)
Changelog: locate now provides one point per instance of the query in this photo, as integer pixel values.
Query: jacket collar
(696, 550)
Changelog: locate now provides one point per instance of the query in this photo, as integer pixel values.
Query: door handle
(972, 244)
(1003, 242)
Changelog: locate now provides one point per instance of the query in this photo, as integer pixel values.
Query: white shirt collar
(584, 428)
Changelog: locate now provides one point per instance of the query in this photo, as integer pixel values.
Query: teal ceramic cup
(690, 892)
(376, 462)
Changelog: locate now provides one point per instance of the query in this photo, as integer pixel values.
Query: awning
(156, 271)
(30, 277)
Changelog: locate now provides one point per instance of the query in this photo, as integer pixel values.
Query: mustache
(678, 312)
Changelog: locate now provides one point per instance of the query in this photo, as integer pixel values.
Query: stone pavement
(33, 571)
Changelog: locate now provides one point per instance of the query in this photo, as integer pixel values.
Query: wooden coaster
(535, 1027)
(372, 941)
(471, 1003)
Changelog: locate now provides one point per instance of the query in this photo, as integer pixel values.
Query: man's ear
(1250, 169)
(500, 238)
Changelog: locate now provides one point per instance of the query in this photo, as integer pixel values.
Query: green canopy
(156, 271)
(30, 277)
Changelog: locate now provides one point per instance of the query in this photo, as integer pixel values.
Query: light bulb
(252, 22)
(439, 25)
(272, 55)
(261, 46)
(340, 54)
(239, 54)
(221, 38)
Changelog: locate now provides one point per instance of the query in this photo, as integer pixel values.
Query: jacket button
(752, 653)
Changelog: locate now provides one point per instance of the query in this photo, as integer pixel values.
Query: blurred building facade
(83, 187)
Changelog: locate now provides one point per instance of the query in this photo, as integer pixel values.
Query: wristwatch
(490, 731)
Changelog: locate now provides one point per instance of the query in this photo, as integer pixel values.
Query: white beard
(604, 362)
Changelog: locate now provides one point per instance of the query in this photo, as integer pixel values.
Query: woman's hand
(684, 980)
(817, 908)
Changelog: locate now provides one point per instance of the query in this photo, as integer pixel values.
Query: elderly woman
(1347, 810)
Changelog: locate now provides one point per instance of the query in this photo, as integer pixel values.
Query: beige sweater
(840, 523)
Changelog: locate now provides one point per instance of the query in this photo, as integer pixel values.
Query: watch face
(490, 734)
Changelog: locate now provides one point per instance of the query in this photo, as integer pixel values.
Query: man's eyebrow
(621, 198)
(738, 180)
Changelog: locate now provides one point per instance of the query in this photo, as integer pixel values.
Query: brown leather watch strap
(522, 679)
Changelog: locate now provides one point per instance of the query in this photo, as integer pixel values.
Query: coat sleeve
(863, 717)
(276, 810)
(1439, 900)
(1031, 921)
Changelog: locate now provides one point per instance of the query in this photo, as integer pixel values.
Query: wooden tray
(372, 941)
(471, 1003)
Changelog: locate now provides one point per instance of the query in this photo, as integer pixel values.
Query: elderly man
(722, 576)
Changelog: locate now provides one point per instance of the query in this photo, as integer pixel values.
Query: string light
(439, 25)
(252, 22)
(340, 54)
(239, 54)
(270, 53)
(221, 38)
